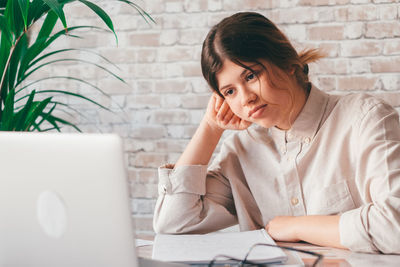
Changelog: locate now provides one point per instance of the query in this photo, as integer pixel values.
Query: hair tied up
(305, 69)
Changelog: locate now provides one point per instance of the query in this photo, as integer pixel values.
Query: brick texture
(163, 98)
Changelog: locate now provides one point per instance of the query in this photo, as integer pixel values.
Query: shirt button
(294, 201)
(283, 149)
(290, 135)
(307, 140)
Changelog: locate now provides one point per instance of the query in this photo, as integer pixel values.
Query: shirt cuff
(183, 179)
(353, 233)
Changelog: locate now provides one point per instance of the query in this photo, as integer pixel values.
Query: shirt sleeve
(375, 226)
(192, 200)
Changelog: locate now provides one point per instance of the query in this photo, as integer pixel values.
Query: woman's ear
(292, 70)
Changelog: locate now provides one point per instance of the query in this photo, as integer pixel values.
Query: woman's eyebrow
(249, 68)
(226, 86)
(241, 75)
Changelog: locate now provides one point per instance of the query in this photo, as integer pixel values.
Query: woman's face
(254, 99)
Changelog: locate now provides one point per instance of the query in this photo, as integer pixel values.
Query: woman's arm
(201, 146)
(192, 200)
(316, 229)
(218, 117)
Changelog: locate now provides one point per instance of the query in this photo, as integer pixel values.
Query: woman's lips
(255, 112)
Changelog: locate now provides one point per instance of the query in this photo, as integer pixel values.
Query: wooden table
(332, 257)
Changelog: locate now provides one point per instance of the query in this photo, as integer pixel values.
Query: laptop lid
(64, 201)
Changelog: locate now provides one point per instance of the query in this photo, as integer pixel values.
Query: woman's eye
(250, 77)
(229, 92)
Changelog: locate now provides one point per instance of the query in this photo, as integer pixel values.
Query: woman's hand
(220, 116)
(283, 228)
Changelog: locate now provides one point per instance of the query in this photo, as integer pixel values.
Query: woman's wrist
(211, 127)
(298, 225)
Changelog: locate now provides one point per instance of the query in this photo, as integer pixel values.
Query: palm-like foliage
(19, 59)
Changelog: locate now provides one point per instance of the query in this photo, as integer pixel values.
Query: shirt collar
(308, 121)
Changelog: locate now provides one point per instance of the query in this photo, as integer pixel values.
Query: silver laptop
(64, 201)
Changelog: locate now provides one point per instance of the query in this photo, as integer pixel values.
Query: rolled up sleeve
(184, 179)
(354, 230)
(183, 205)
(375, 226)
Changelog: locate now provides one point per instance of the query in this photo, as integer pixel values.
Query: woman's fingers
(218, 102)
(223, 111)
(245, 124)
(235, 120)
(211, 105)
(228, 117)
(224, 116)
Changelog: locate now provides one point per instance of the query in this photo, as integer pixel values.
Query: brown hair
(250, 37)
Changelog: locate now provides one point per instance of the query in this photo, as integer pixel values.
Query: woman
(315, 167)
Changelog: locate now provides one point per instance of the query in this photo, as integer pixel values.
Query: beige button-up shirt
(341, 156)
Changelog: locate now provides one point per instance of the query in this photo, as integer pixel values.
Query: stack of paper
(201, 249)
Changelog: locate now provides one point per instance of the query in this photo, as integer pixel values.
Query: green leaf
(4, 85)
(47, 26)
(24, 6)
(49, 129)
(8, 112)
(60, 77)
(74, 49)
(73, 94)
(39, 46)
(65, 93)
(15, 17)
(23, 113)
(31, 53)
(140, 10)
(52, 119)
(5, 30)
(36, 10)
(2, 6)
(66, 60)
(34, 113)
(70, 108)
(19, 49)
(20, 117)
(64, 2)
(9, 15)
(102, 14)
(58, 9)
(7, 76)
(5, 48)
(68, 78)
(45, 115)
(49, 118)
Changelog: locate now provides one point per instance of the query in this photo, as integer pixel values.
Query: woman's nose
(248, 96)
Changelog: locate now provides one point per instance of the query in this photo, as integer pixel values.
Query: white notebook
(201, 249)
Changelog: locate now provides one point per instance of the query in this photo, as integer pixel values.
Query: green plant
(21, 55)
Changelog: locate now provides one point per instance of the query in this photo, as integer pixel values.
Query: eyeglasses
(245, 261)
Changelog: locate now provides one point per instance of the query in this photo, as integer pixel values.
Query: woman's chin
(265, 124)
